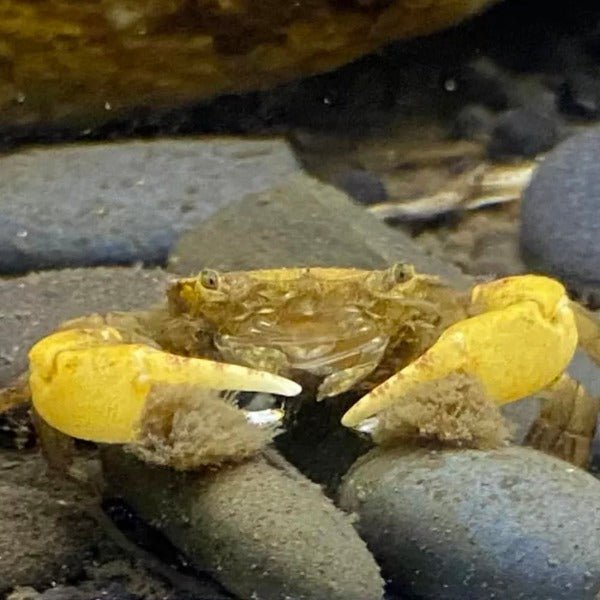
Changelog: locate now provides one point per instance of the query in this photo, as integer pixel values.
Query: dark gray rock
(32, 306)
(560, 213)
(448, 525)
(31, 526)
(520, 416)
(473, 122)
(522, 132)
(260, 528)
(587, 372)
(113, 591)
(361, 185)
(123, 203)
(301, 222)
(580, 96)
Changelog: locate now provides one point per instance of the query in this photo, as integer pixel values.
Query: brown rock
(46, 534)
(88, 61)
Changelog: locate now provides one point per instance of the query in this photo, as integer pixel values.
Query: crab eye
(209, 279)
(402, 272)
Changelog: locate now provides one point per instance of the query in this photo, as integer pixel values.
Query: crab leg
(90, 384)
(567, 422)
(521, 344)
(14, 395)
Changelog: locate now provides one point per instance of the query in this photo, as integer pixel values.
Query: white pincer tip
(283, 387)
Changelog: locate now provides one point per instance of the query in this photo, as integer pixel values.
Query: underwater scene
(299, 300)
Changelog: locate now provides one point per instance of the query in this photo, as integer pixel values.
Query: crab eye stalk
(209, 279)
(402, 272)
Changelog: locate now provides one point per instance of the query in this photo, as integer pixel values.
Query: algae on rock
(82, 63)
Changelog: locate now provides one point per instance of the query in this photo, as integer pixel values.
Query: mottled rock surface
(50, 542)
(46, 535)
(32, 306)
(168, 53)
(522, 132)
(560, 216)
(123, 203)
(511, 523)
(259, 527)
(301, 222)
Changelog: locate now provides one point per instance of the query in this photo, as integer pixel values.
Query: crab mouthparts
(319, 343)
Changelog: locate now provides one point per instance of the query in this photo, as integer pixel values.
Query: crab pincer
(92, 385)
(521, 342)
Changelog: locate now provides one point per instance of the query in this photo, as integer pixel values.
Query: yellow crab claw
(521, 344)
(91, 385)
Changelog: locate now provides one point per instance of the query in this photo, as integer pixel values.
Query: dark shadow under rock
(316, 443)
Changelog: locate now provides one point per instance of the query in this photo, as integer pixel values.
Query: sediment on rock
(261, 529)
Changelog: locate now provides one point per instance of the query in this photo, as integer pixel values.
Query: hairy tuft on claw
(89, 384)
(523, 342)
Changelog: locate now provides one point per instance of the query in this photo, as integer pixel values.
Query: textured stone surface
(52, 549)
(71, 593)
(122, 203)
(165, 53)
(45, 535)
(512, 523)
(32, 306)
(301, 222)
(259, 527)
(560, 213)
(522, 132)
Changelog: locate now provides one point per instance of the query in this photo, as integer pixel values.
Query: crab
(322, 332)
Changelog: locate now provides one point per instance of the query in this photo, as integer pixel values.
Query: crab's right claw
(91, 385)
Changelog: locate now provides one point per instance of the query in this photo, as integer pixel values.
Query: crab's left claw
(521, 343)
(90, 384)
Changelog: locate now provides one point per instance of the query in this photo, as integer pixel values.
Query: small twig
(486, 185)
